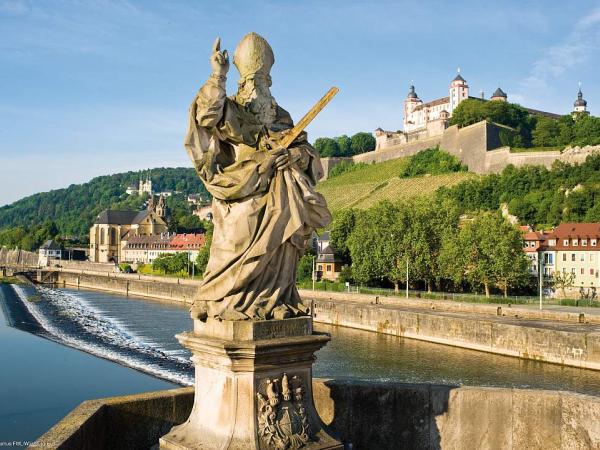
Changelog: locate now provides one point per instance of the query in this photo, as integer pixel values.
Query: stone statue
(265, 206)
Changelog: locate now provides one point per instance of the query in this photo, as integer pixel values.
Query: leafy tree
(172, 263)
(487, 251)
(341, 228)
(563, 281)
(362, 142)
(327, 147)
(546, 132)
(204, 253)
(305, 267)
(344, 145)
(432, 161)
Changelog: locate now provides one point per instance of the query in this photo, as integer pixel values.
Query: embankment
(174, 290)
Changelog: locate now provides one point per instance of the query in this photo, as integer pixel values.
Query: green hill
(73, 209)
(369, 184)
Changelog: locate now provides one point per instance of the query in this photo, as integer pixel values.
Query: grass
(8, 280)
(373, 183)
(536, 149)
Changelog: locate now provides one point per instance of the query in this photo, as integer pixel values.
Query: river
(43, 380)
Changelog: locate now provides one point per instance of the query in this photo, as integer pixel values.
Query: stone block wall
(370, 415)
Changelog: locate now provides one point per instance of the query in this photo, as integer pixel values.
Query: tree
(204, 253)
(344, 145)
(327, 147)
(304, 269)
(487, 251)
(546, 132)
(341, 228)
(362, 142)
(563, 281)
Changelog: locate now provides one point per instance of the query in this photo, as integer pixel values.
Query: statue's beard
(259, 101)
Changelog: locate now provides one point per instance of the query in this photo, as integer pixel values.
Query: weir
(565, 338)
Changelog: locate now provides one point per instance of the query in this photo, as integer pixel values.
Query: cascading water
(67, 318)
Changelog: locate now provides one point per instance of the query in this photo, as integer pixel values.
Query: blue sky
(102, 86)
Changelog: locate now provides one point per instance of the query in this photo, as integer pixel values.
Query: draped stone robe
(262, 219)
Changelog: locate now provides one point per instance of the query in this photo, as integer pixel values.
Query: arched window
(102, 236)
(113, 236)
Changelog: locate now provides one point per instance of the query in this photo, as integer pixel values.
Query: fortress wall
(329, 163)
(397, 151)
(496, 160)
(468, 144)
(369, 414)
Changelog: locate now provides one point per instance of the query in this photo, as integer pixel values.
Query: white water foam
(104, 328)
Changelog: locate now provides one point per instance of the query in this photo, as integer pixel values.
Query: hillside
(369, 185)
(73, 209)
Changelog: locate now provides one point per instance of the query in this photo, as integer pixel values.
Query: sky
(95, 87)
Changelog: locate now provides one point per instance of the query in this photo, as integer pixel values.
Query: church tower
(580, 105)
(411, 102)
(458, 91)
(161, 208)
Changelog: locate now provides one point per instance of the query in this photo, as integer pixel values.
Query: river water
(43, 380)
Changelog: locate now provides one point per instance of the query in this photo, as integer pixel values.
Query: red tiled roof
(577, 231)
(187, 241)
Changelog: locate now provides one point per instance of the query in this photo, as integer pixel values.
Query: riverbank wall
(567, 344)
(370, 415)
(174, 290)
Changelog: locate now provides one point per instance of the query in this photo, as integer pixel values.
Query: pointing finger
(217, 44)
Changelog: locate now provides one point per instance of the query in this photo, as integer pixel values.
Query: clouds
(576, 49)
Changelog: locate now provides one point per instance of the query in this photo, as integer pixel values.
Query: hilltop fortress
(426, 125)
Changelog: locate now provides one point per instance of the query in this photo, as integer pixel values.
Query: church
(113, 229)
(428, 119)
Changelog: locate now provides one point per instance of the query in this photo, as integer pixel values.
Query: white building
(49, 251)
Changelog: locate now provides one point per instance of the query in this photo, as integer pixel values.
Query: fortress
(479, 146)
(428, 119)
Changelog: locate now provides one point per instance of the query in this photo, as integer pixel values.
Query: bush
(345, 166)
(432, 161)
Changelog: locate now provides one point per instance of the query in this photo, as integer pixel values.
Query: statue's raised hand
(219, 60)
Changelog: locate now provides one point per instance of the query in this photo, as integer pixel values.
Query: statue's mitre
(253, 55)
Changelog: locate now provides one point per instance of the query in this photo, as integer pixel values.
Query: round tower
(411, 102)
(499, 95)
(458, 91)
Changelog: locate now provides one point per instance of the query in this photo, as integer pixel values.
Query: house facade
(49, 251)
(569, 248)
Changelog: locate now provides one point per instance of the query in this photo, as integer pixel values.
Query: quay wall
(370, 415)
(131, 285)
(541, 343)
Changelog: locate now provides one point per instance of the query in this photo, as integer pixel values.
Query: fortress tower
(458, 91)
(410, 104)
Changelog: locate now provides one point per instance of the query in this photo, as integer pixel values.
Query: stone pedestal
(253, 387)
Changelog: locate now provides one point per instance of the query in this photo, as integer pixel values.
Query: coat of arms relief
(282, 416)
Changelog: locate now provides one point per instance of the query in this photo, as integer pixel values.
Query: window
(566, 242)
(593, 242)
(582, 271)
(573, 270)
(584, 242)
(582, 257)
(575, 242)
(102, 237)
(572, 256)
(328, 267)
(591, 271)
(564, 256)
(552, 242)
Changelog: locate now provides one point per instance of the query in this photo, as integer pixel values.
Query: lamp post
(314, 274)
(407, 277)
(541, 280)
